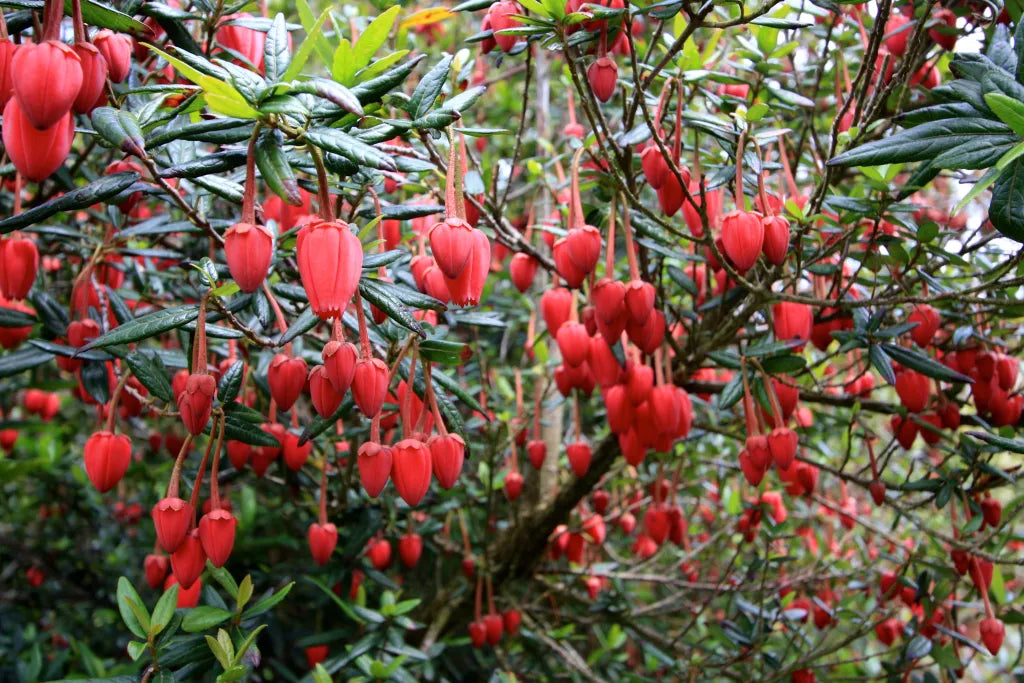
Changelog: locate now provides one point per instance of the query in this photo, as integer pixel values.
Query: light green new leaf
(1009, 110)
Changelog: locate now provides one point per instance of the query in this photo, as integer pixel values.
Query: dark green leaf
(274, 167)
(924, 364)
(334, 140)
(218, 162)
(102, 15)
(381, 297)
(375, 88)
(306, 321)
(920, 143)
(1006, 211)
(239, 130)
(119, 128)
(881, 362)
(83, 197)
(382, 258)
(429, 87)
(50, 312)
(1011, 445)
(149, 370)
(11, 317)
(237, 430)
(147, 326)
(231, 382)
(21, 360)
(275, 49)
(732, 392)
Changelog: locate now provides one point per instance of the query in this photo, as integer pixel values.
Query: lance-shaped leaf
(246, 432)
(24, 359)
(146, 326)
(217, 162)
(102, 15)
(275, 49)
(374, 89)
(332, 92)
(429, 88)
(95, 192)
(379, 296)
(921, 143)
(923, 364)
(1006, 211)
(149, 370)
(274, 167)
(339, 142)
(120, 129)
(231, 382)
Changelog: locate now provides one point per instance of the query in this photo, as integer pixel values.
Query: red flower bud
(776, 239)
(36, 153)
(370, 385)
(639, 300)
(992, 511)
(928, 320)
(792, 322)
(446, 455)
(238, 453)
(410, 470)
(188, 561)
(322, 539)
(655, 167)
(619, 409)
(19, 263)
(217, 534)
(374, 461)
(565, 266)
(330, 259)
(287, 378)
(466, 289)
(511, 620)
(493, 624)
(583, 245)
(992, 633)
(7, 50)
(537, 450)
(513, 485)
(742, 238)
(295, 456)
(913, 390)
(116, 49)
(248, 248)
(478, 633)
(522, 270)
(106, 459)
(555, 307)
(171, 518)
(500, 15)
(656, 523)
(579, 457)
(574, 343)
(325, 399)
(451, 244)
(47, 77)
(340, 364)
(602, 75)
(410, 547)
(196, 402)
(379, 553)
(156, 567)
(94, 77)
(782, 444)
